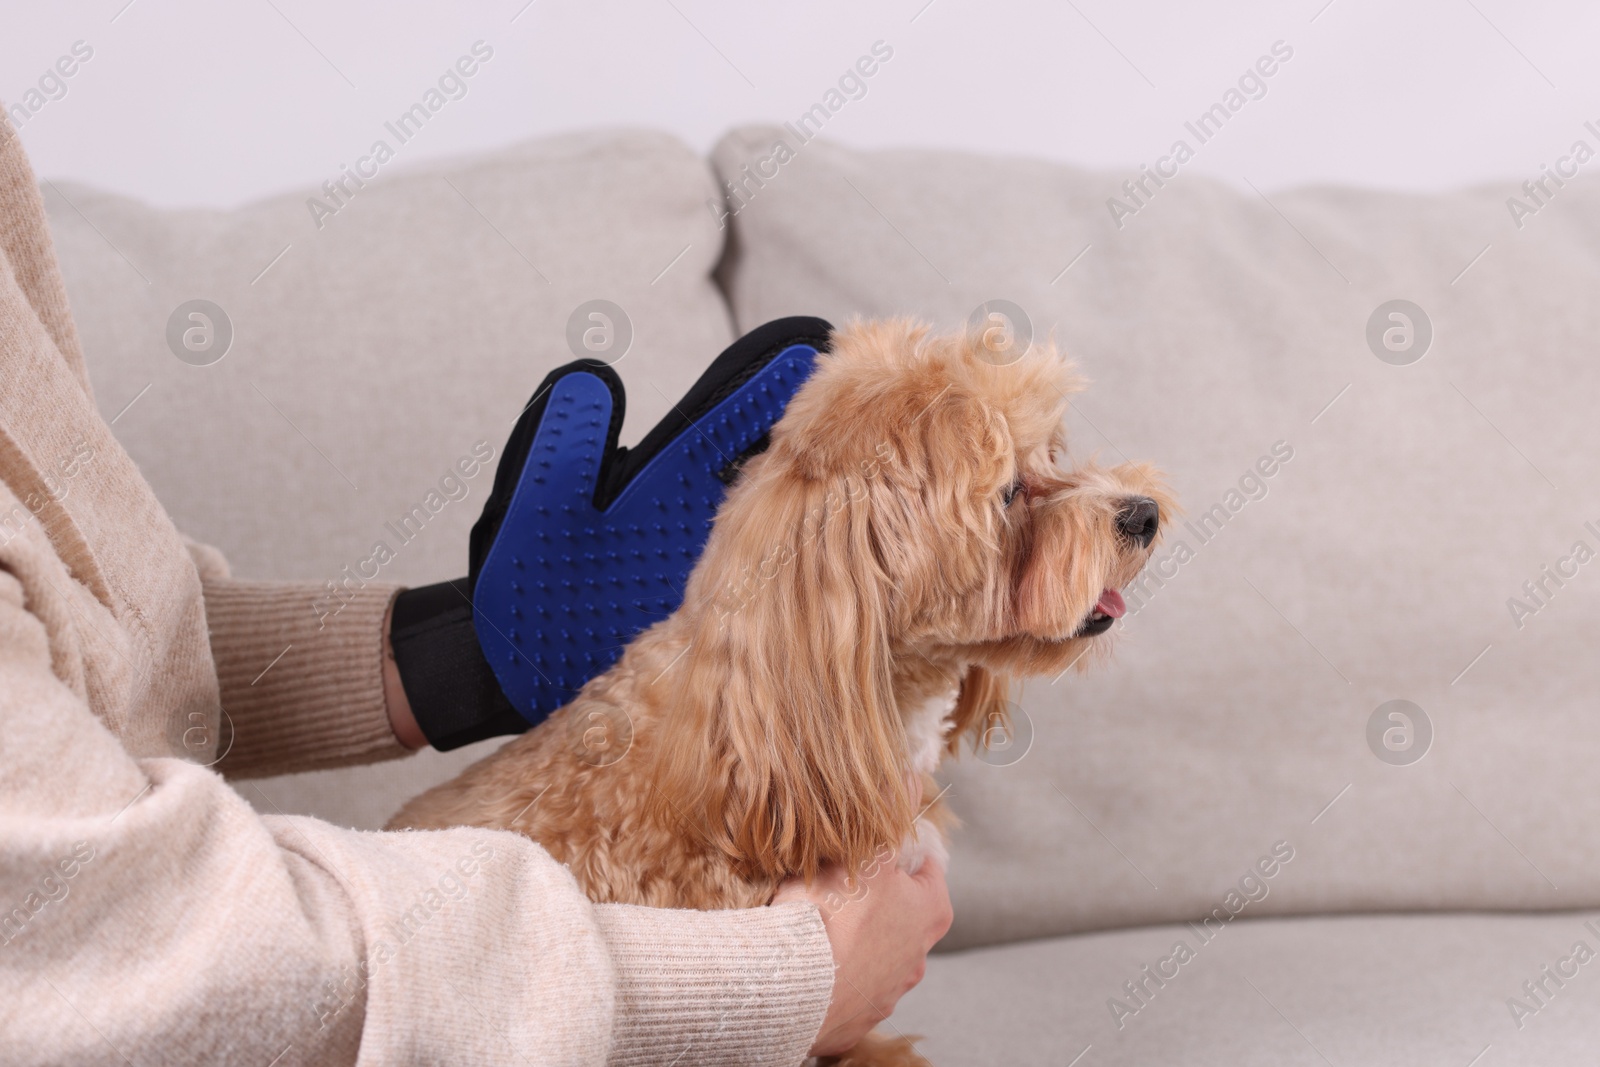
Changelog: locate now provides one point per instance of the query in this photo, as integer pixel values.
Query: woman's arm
(302, 674)
(148, 912)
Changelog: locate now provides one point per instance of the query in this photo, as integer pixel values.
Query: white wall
(188, 102)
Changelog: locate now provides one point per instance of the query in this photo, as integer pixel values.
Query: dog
(904, 547)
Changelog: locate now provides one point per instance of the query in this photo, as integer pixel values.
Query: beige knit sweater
(148, 915)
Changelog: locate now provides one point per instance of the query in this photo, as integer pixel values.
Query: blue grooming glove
(582, 543)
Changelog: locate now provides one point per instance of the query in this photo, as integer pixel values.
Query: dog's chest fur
(927, 731)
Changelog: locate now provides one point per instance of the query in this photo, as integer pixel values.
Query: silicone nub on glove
(582, 543)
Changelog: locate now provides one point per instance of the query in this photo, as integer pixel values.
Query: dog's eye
(1009, 493)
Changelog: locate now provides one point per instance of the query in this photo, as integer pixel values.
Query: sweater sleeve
(301, 674)
(151, 916)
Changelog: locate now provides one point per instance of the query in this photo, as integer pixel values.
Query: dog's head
(909, 523)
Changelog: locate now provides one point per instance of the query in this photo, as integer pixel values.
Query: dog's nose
(1139, 519)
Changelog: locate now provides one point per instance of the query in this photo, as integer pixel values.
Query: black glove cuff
(453, 693)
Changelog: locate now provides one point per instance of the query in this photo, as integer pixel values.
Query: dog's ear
(981, 707)
(786, 748)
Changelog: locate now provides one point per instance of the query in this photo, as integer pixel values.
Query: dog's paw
(879, 1050)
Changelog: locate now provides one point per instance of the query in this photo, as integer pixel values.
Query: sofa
(1332, 800)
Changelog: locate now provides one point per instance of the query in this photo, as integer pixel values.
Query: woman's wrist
(401, 719)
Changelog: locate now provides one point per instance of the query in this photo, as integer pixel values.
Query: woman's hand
(881, 928)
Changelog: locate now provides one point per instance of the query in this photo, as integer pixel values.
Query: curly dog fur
(908, 542)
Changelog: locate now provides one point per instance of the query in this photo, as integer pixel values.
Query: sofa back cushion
(372, 353)
(1379, 509)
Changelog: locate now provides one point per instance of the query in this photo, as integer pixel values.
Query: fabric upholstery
(1382, 991)
(372, 357)
(1406, 504)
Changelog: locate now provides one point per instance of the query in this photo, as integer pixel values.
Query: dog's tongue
(1112, 604)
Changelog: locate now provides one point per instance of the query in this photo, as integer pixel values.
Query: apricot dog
(872, 581)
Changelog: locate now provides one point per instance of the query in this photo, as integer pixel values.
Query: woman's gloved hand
(582, 543)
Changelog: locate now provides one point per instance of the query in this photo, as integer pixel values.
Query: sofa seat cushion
(1378, 990)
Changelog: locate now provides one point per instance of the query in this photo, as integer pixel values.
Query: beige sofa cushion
(1384, 991)
(1227, 335)
(374, 354)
